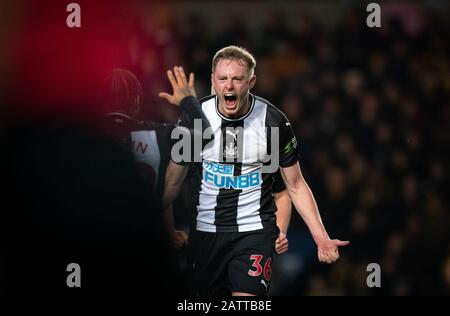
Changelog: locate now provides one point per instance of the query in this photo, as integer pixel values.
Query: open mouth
(230, 100)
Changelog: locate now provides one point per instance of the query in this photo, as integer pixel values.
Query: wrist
(320, 238)
(187, 102)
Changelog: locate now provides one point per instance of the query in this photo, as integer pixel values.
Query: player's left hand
(327, 250)
(281, 244)
(181, 87)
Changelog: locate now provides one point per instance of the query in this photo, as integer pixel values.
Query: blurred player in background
(150, 142)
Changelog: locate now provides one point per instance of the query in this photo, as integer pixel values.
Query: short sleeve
(288, 152)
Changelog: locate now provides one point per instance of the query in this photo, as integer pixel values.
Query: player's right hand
(181, 87)
(178, 239)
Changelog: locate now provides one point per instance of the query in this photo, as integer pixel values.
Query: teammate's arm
(284, 210)
(306, 206)
(184, 95)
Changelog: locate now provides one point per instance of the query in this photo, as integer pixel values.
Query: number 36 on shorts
(258, 268)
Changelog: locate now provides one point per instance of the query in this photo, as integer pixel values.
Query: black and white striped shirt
(233, 190)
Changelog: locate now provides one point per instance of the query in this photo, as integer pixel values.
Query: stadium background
(369, 106)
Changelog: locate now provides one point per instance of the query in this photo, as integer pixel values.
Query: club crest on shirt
(231, 151)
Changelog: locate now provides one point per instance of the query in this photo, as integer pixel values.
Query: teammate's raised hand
(181, 86)
(327, 250)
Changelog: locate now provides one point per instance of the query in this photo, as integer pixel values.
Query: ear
(252, 82)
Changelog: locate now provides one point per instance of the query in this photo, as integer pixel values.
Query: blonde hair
(235, 53)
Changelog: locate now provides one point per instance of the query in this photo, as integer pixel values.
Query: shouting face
(232, 82)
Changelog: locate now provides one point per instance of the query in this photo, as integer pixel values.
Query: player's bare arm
(284, 210)
(306, 206)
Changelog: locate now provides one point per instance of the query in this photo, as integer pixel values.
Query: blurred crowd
(371, 111)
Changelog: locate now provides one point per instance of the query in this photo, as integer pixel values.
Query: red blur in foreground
(57, 69)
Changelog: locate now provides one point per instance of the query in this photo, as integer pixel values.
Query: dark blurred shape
(74, 196)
